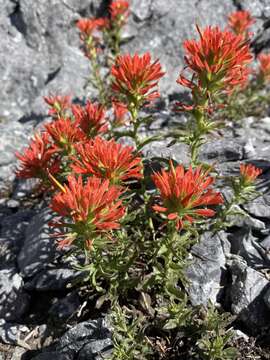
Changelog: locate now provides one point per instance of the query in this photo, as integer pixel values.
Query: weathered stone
(66, 307)
(260, 207)
(222, 150)
(80, 335)
(12, 236)
(13, 299)
(11, 333)
(96, 350)
(52, 279)
(206, 269)
(243, 243)
(247, 295)
(39, 247)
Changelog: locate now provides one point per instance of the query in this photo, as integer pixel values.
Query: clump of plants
(134, 230)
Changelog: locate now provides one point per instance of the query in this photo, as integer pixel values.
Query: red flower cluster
(58, 105)
(185, 193)
(91, 118)
(88, 34)
(93, 208)
(119, 11)
(218, 61)
(249, 173)
(88, 26)
(65, 133)
(38, 158)
(108, 160)
(264, 71)
(120, 111)
(240, 21)
(135, 77)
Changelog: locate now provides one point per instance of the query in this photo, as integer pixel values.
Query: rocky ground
(42, 314)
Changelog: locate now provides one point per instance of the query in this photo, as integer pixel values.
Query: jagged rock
(66, 307)
(14, 300)
(39, 247)
(12, 236)
(207, 267)
(96, 350)
(247, 295)
(243, 243)
(13, 137)
(222, 150)
(17, 353)
(52, 279)
(11, 333)
(260, 207)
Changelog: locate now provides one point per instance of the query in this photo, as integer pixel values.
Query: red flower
(38, 158)
(249, 173)
(240, 21)
(185, 193)
(88, 26)
(218, 61)
(119, 11)
(92, 209)
(107, 159)
(264, 60)
(65, 133)
(91, 118)
(58, 105)
(120, 111)
(135, 77)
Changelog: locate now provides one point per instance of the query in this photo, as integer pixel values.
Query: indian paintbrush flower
(90, 118)
(264, 68)
(89, 210)
(58, 105)
(120, 112)
(88, 34)
(38, 158)
(119, 11)
(136, 79)
(240, 21)
(185, 195)
(65, 134)
(217, 62)
(108, 160)
(249, 173)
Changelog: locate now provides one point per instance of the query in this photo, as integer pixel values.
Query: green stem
(98, 82)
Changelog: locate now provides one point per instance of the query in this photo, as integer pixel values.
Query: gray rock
(52, 279)
(243, 243)
(222, 150)
(13, 300)
(39, 247)
(96, 350)
(206, 269)
(24, 188)
(52, 355)
(18, 353)
(84, 333)
(12, 236)
(66, 307)
(247, 295)
(267, 298)
(260, 207)
(11, 333)
(245, 220)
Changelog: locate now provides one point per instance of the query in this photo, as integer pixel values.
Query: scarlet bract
(249, 173)
(185, 194)
(107, 159)
(264, 70)
(119, 10)
(38, 158)
(93, 209)
(135, 77)
(65, 133)
(218, 61)
(90, 118)
(88, 26)
(240, 21)
(58, 104)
